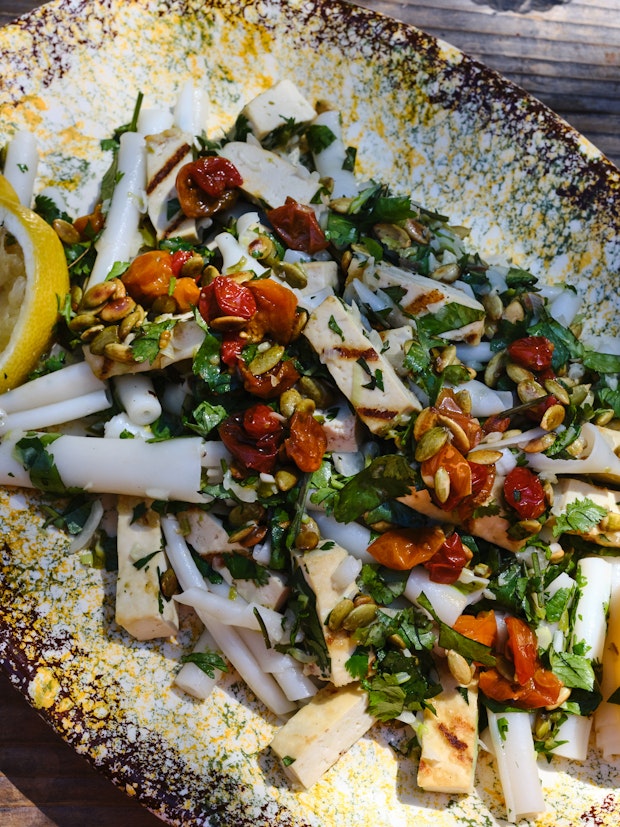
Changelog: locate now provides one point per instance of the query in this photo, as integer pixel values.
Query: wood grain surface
(568, 55)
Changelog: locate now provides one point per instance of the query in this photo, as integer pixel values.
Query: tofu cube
(272, 108)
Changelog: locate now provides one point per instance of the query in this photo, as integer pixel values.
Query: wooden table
(569, 57)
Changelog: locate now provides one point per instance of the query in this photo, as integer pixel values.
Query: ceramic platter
(432, 123)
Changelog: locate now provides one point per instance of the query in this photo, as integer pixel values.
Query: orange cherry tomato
(306, 442)
(276, 311)
(522, 647)
(542, 689)
(88, 226)
(207, 186)
(481, 627)
(403, 548)
(148, 276)
(186, 293)
(459, 471)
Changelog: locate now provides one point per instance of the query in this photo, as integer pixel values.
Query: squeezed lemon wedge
(33, 272)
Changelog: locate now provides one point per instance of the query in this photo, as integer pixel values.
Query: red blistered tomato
(448, 561)
(231, 348)
(297, 226)
(270, 384)
(179, 257)
(524, 493)
(533, 352)
(250, 453)
(403, 548)
(225, 297)
(207, 186)
(260, 419)
(306, 442)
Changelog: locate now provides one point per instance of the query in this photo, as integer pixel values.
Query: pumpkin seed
(535, 446)
(168, 583)
(518, 373)
(463, 397)
(192, 268)
(459, 437)
(253, 537)
(262, 248)
(495, 368)
(493, 306)
(164, 304)
(293, 274)
(484, 456)
(425, 420)
(443, 357)
(362, 599)
(514, 312)
(359, 617)
(65, 231)
(245, 513)
(604, 417)
(308, 536)
(76, 296)
(119, 353)
(430, 443)
(132, 321)
(109, 335)
(563, 695)
(266, 360)
(524, 529)
(224, 324)
(552, 417)
(553, 387)
(392, 236)
(289, 401)
(446, 273)
(340, 205)
(611, 522)
(98, 294)
(316, 390)
(285, 480)
(442, 484)
(542, 727)
(529, 389)
(82, 321)
(338, 614)
(575, 449)
(460, 669)
(417, 231)
(578, 394)
(117, 309)
(397, 641)
(89, 334)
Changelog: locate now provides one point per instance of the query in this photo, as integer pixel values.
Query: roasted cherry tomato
(482, 479)
(260, 419)
(270, 384)
(88, 226)
(522, 647)
(276, 311)
(524, 493)
(542, 689)
(179, 257)
(149, 275)
(533, 352)
(231, 348)
(458, 469)
(448, 561)
(447, 405)
(252, 454)
(207, 186)
(496, 423)
(297, 226)
(403, 548)
(225, 297)
(481, 627)
(306, 442)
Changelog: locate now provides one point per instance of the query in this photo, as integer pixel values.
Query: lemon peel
(33, 273)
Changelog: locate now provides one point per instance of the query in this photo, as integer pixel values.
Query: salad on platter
(381, 471)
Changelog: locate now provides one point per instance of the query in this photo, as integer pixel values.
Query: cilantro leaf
(145, 346)
(580, 516)
(44, 475)
(451, 316)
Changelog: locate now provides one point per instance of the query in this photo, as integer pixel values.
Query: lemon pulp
(33, 273)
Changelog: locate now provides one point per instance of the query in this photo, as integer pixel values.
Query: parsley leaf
(386, 478)
(207, 661)
(145, 346)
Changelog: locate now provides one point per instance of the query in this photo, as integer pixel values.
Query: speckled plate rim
(580, 234)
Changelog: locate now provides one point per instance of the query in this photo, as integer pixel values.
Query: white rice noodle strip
(353, 537)
(565, 307)
(169, 470)
(190, 111)
(55, 414)
(66, 383)
(154, 121)
(513, 747)
(137, 396)
(589, 629)
(191, 678)
(547, 632)
(20, 166)
(235, 257)
(120, 239)
(226, 638)
(234, 612)
(120, 425)
(84, 537)
(179, 555)
(607, 716)
(447, 601)
(286, 670)
(478, 354)
(598, 457)
(329, 161)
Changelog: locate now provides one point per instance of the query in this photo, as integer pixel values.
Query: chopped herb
(207, 661)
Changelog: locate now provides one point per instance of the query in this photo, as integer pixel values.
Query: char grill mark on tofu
(353, 354)
(166, 168)
(420, 303)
